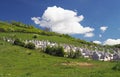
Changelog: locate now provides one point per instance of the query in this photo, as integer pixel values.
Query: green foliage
(77, 54)
(30, 46)
(35, 36)
(18, 27)
(49, 33)
(16, 61)
(21, 29)
(117, 46)
(117, 67)
(1, 43)
(2, 30)
(60, 51)
(19, 24)
(66, 36)
(74, 55)
(18, 42)
(57, 39)
(55, 51)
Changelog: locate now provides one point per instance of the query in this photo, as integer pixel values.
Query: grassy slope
(15, 62)
(28, 36)
(9, 27)
(24, 32)
(25, 36)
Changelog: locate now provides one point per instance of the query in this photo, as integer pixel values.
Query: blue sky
(96, 13)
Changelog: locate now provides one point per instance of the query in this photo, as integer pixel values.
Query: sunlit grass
(15, 62)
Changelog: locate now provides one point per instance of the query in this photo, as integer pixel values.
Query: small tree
(18, 42)
(55, 51)
(30, 45)
(60, 51)
(71, 54)
(35, 36)
(77, 54)
(47, 49)
(2, 30)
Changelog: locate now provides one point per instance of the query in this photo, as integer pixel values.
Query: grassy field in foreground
(16, 61)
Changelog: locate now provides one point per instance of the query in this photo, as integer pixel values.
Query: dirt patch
(82, 64)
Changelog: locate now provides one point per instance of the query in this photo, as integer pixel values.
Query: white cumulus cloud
(36, 20)
(97, 42)
(63, 21)
(88, 35)
(112, 42)
(103, 28)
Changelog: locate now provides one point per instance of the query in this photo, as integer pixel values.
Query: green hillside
(16, 61)
(25, 32)
(17, 27)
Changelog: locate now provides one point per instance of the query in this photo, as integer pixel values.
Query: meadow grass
(29, 36)
(16, 62)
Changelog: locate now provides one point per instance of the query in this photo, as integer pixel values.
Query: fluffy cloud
(103, 28)
(62, 21)
(112, 42)
(97, 42)
(88, 35)
(36, 20)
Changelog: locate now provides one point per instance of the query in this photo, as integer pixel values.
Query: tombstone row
(86, 53)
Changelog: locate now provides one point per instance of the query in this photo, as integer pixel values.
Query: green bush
(2, 30)
(117, 67)
(55, 51)
(18, 42)
(60, 51)
(77, 54)
(71, 54)
(117, 46)
(74, 55)
(35, 36)
(1, 43)
(30, 46)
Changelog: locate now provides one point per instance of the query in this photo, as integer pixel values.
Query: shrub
(18, 42)
(117, 46)
(55, 51)
(30, 46)
(66, 36)
(71, 54)
(35, 36)
(77, 54)
(60, 51)
(117, 67)
(2, 30)
(74, 55)
(1, 43)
